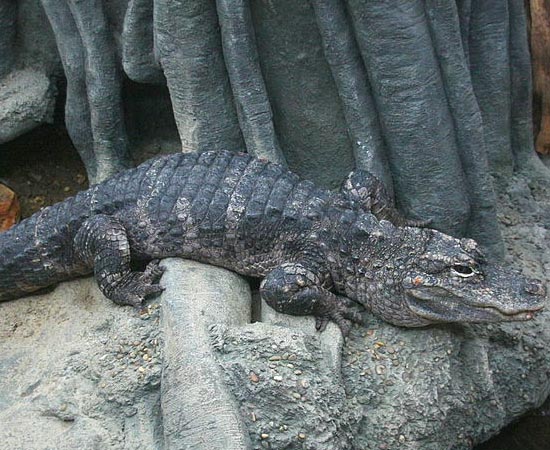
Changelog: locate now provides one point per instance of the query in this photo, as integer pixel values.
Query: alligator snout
(535, 287)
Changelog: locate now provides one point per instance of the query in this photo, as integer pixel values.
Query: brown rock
(10, 210)
(540, 53)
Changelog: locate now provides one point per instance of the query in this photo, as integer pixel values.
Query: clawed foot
(343, 312)
(135, 287)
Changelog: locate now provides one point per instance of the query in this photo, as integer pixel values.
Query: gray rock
(74, 375)
(436, 388)
(27, 99)
(78, 371)
(27, 70)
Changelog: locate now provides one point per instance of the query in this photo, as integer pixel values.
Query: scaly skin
(318, 252)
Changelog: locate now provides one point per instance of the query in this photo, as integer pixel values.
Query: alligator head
(452, 282)
(435, 278)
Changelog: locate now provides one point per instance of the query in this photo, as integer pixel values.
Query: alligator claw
(153, 270)
(321, 323)
(135, 287)
(344, 312)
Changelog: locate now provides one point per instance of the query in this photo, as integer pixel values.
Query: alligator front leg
(102, 242)
(294, 289)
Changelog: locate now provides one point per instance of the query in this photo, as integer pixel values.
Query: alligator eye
(463, 271)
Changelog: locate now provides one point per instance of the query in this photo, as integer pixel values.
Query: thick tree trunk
(243, 67)
(190, 50)
(93, 110)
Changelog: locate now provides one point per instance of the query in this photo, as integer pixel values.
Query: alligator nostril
(535, 287)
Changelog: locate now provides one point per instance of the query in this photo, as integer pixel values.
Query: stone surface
(27, 99)
(29, 65)
(74, 372)
(78, 371)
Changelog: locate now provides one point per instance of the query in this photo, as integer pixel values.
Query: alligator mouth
(447, 308)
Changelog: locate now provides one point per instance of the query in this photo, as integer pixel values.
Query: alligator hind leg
(102, 243)
(293, 289)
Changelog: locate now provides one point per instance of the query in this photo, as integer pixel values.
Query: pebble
(278, 378)
(254, 377)
(301, 436)
(264, 436)
(292, 357)
(275, 358)
(296, 395)
(380, 370)
(401, 439)
(298, 372)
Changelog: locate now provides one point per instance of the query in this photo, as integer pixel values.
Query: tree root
(189, 48)
(8, 18)
(468, 126)
(242, 63)
(410, 95)
(354, 89)
(93, 111)
(138, 53)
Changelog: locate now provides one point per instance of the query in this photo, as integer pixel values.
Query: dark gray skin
(319, 253)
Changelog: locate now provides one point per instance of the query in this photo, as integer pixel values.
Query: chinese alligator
(319, 252)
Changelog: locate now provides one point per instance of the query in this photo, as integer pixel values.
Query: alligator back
(218, 207)
(222, 208)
